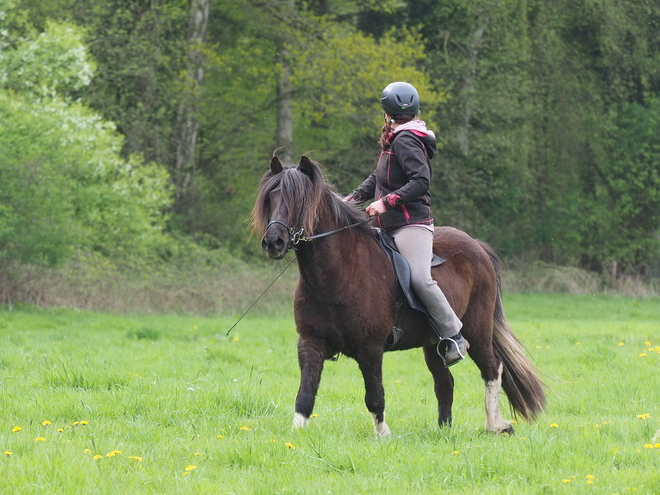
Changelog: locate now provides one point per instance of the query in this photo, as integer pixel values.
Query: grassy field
(94, 403)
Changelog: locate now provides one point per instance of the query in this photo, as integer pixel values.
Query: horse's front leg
(371, 365)
(311, 355)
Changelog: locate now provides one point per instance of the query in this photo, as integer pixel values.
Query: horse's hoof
(508, 430)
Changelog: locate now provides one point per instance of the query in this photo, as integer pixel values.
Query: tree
(63, 184)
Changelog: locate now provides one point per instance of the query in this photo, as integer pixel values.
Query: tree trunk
(467, 89)
(284, 133)
(186, 126)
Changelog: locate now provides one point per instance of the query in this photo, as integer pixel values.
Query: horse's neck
(332, 259)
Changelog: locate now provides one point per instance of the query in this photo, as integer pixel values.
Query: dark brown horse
(345, 299)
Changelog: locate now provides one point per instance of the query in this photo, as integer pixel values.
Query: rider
(400, 185)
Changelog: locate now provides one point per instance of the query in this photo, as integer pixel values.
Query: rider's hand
(376, 208)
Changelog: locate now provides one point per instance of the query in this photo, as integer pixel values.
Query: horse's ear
(276, 165)
(307, 167)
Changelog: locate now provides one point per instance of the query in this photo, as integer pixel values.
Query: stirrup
(452, 341)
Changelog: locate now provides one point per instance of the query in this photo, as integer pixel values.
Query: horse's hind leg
(481, 352)
(371, 365)
(311, 355)
(443, 384)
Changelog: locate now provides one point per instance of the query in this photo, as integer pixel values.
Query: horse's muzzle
(275, 246)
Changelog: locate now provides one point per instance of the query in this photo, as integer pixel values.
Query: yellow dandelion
(642, 354)
(577, 343)
(186, 473)
(191, 468)
(314, 416)
(657, 445)
(290, 445)
(590, 476)
(7, 452)
(40, 439)
(113, 453)
(135, 457)
(648, 446)
(45, 423)
(566, 481)
(644, 416)
(197, 453)
(97, 457)
(195, 327)
(76, 423)
(16, 428)
(621, 343)
(245, 428)
(83, 423)
(221, 436)
(456, 452)
(236, 339)
(648, 343)
(554, 425)
(87, 451)
(590, 482)
(60, 430)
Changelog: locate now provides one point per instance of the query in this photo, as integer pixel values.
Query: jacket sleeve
(411, 155)
(366, 190)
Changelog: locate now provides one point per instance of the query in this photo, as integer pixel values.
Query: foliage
(542, 108)
(63, 184)
(109, 404)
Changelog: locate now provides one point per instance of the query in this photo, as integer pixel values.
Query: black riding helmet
(400, 98)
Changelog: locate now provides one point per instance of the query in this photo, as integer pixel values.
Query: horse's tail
(520, 381)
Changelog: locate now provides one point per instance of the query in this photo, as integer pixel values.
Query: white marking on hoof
(299, 421)
(381, 428)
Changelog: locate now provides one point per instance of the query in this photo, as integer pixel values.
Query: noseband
(295, 236)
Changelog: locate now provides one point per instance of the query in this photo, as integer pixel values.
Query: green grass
(171, 392)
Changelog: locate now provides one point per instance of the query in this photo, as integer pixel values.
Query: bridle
(298, 235)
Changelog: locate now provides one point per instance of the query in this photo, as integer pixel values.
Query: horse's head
(287, 204)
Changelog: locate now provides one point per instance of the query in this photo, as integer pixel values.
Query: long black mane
(308, 198)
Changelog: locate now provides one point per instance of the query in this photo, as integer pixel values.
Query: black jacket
(402, 179)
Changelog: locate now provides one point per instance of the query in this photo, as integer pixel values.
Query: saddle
(405, 296)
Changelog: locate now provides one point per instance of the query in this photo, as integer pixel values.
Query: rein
(299, 235)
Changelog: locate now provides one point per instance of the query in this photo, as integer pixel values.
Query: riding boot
(457, 348)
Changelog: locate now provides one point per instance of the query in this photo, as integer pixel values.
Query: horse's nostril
(264, 244)
(278, 244)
